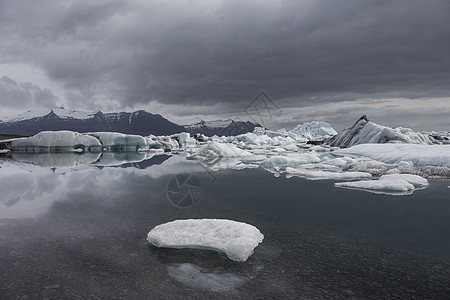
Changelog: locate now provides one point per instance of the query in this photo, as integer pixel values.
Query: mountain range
(139, 122)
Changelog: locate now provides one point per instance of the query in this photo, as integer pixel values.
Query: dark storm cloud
(205, 52)
(24, 94)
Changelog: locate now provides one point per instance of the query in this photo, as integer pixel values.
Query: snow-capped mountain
(59, 111)
(139, 122)
(220, 127)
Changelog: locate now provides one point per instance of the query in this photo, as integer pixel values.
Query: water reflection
(67, 160)
(206, 270)
(196, 277)
(30, 187)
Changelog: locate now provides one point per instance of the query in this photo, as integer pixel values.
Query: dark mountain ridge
(139, 122)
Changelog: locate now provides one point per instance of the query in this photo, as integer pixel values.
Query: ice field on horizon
(374, 151)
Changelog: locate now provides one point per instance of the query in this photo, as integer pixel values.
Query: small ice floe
(253, 159)
(290, 161)
(391, 184)
(78, 150)
(237, 240)
(322, 174)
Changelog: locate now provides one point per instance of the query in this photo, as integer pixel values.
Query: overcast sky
(317, 60)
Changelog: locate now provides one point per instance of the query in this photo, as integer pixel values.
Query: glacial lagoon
(80, 232)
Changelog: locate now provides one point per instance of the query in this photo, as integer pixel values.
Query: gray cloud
(118, 54)
(24, 94)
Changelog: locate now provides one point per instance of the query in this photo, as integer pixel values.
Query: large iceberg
(69, 141)
(366, 132)
(237, 240)
(57, 141)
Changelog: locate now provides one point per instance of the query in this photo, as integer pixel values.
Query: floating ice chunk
(338, 162)
(301, 133)
(441, 136)
(319, 149)
(290, 161)
(418, 155)
(314, 130)
(255, 139)
(237, 240)
(278, 149)
(56, 141)
(114, 141)
(221, 150)
(418, 181)
(161, 142)
(322, 167)
(373, 167)
(391, 184)
(290, 147)
(321, 174)
(253, 158)
(364, 132)
(184, 138)
(69, 141)
(380, 186)
(271, 134)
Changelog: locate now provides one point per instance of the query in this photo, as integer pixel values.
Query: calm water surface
(68, 233)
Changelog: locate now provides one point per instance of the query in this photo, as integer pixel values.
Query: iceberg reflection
(67, 160)
(33, 183)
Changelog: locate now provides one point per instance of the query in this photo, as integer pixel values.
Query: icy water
(80, 232)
